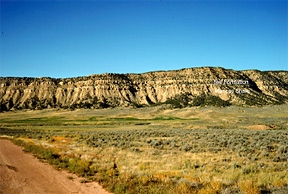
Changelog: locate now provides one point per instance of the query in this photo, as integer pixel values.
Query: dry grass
(168, 168)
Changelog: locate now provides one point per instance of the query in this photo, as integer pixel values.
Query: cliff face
(251, 87)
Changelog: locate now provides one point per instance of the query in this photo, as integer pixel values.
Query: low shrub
(74, 165)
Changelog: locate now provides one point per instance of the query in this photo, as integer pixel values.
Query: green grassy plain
(162, 150)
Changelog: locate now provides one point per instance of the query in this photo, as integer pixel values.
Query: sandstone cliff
(183, 87)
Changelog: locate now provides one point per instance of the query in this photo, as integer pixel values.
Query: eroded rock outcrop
(251, 87)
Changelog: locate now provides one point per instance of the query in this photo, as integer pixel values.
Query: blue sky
(72, 38)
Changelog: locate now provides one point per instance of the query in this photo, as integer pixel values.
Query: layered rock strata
(250, 87)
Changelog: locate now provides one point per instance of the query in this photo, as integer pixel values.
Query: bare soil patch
(21, 173)
(258, 127)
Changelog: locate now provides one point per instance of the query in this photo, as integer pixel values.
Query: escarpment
(185, 87)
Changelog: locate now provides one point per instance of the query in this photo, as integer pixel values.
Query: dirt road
(22, 173)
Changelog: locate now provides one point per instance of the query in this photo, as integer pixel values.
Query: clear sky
(73, 38)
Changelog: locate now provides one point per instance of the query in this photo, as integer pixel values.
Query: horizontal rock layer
(254, 88)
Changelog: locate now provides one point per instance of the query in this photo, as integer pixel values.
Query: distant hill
(202, 86)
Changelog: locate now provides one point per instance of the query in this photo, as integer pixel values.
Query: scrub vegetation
(160, 150)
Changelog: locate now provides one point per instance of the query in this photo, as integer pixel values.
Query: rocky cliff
(185, 87)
